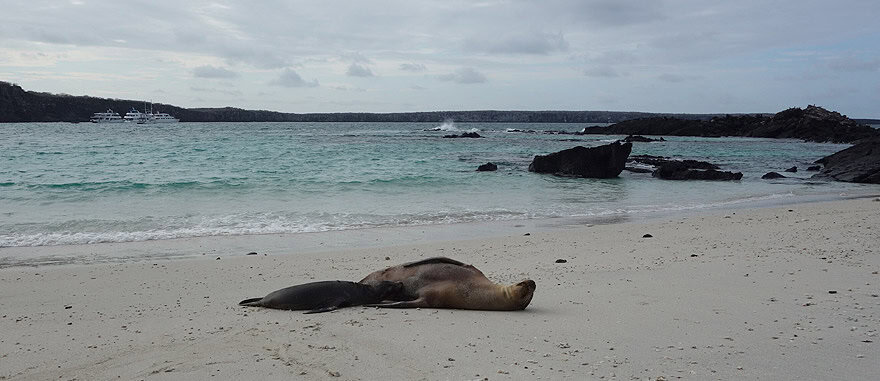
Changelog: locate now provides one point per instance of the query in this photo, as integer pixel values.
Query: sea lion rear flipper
(434, 260)
(253, 302)
(322, 309)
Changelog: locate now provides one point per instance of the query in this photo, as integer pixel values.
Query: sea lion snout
(528, 284)
(526, 291)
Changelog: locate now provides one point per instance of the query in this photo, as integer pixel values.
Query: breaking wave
(449, 126)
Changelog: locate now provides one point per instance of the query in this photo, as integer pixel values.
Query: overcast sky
(694, 56)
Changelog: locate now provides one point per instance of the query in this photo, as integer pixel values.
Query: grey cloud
(261, 58)
(675, 78)
(356, 70)
(356, 57)
(413, 67)
(616, 13)
(536, 43)
(235, 93)
(348, 88)
(630, 39)
(209, 71)
(188, 36)
(73, 37)
(602, 72)
(465, 75)
(616, 57)
(290, 78)
(854, 64)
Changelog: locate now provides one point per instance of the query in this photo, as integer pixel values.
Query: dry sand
(773, 293)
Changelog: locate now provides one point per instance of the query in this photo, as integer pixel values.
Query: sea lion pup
(442, 282)
(328, 295)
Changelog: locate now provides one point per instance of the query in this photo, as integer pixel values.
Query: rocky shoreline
(812, 124)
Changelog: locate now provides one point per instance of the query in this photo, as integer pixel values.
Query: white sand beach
(773, 293)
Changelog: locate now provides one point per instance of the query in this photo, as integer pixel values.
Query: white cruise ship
(106, 117)
(135, 116)
(159, 117)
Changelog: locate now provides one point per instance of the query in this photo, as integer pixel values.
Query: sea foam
(449, 126)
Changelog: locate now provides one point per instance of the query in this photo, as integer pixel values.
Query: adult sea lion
(328, 295)
(442, 282)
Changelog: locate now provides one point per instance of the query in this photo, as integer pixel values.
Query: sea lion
(328, 295)
(442, 282)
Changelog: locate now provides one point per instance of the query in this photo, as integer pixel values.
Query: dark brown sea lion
(328, 295)
(442, 282)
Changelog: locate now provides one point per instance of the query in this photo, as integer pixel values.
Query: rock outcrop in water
(488, 167)
(680, 171)
(464, 135)
(857, 164)
(598, 162)
(669, 169)
(772, 175)
(657, 161)
(640, 139)
(814, 124)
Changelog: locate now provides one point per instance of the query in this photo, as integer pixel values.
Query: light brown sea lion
(442, 282)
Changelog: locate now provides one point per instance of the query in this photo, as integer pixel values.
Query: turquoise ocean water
(71, 184)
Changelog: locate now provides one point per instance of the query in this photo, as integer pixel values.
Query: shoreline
(373, 237)
(346, 239)
(776, 292)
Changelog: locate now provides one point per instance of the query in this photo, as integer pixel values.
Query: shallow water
(63, 184)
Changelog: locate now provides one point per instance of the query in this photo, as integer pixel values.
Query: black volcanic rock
(598, 162)
(813, 124)
(464, 135)
(487, 167)
(660, 160)
(814, 168)
(857, 164)
(653, 126)
(640, 139)
(522, 131)
(680, 171)
(792, 170)
(772, 175)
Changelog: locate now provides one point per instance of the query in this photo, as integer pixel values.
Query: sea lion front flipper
(416, 303)
(434, 260)
(322, 309)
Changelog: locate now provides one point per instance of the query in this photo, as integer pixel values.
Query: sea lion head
(386, 290)
(522, 293)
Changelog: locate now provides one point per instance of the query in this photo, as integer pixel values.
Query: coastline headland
(18, 106)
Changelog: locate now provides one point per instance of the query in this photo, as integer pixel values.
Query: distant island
(18, 105)
(812, 124)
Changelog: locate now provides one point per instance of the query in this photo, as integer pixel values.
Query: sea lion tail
(254, 302)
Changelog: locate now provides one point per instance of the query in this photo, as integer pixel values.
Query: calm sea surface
(87, 183)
